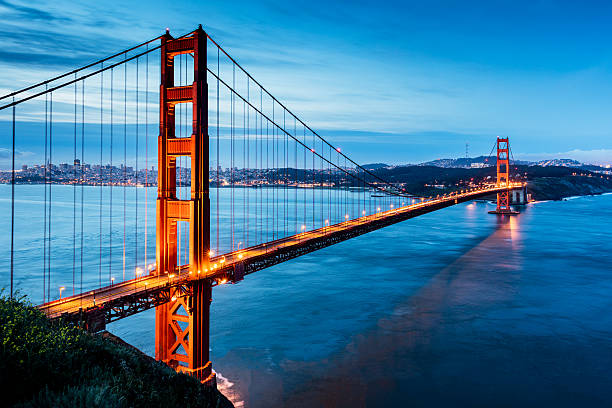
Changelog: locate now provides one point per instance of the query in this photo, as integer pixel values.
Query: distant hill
(466, 162)
(375, 166)
(559, 163)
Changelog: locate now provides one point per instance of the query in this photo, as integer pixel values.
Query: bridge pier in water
(182, 324)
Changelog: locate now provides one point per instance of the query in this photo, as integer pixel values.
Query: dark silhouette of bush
(51, 364)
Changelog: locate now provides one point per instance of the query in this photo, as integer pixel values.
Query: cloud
(28, 13)
(7, 154)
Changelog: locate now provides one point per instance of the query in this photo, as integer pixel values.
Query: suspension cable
(75, 71)
(280, 128)
(149, 50)
(291, 113)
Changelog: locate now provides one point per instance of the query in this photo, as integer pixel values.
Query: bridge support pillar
(182, 323)
(503, 177)
(182, 332)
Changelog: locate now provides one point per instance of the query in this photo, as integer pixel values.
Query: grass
(45, 364)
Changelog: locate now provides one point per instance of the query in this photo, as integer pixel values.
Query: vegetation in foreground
(45, 364)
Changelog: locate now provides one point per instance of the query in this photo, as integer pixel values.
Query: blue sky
(392, 82)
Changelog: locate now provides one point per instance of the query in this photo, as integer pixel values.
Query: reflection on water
(499, 324)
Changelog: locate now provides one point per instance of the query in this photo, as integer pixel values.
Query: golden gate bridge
(287, 190)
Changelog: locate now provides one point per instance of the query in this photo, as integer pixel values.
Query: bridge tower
(182, 324)
(503, 176)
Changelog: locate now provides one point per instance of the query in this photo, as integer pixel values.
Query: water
(453, 308)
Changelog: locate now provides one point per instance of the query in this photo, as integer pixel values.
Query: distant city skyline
(424, 78)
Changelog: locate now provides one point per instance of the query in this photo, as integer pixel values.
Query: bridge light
(112, 281)
(222, 260)
(326, 222)
(363, 212)
(61, 289)
(211, 253)
(346, 216)
(215, 266)
(378, 209)
(239, 256)
(222, 281)
(303, 227)
(173, 298)
(171, 276)
(338, 149)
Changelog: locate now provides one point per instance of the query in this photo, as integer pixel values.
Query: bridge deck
(130, 297)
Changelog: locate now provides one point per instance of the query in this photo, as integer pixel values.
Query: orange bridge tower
(182, 324)
(503, 177)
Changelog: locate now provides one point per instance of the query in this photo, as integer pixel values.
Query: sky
(394, 82)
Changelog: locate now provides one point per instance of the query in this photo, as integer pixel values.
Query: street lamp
(61, 289)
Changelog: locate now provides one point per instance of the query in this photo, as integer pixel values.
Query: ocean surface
(455, 308)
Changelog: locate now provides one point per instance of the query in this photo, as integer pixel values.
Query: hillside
(545, 183)
(44, 364)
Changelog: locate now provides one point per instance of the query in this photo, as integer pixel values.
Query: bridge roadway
(110, 303)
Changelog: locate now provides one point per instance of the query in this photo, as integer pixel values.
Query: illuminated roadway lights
(112, 281)
(60, 290)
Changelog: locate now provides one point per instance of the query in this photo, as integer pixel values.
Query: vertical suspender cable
(247, 187)
(110, 184)
(232, 150)
(74, 190)
(45, 204)
(146, 231)
(82, 168)
(218, 161)
(13, 203)
(50, 195)
(244, 190)
(136, 172)
(274, 174)
(286, 173)
(267, 176)
(100, 175)
(124, 188)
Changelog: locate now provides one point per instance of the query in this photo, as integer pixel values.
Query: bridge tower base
(182, 332)
(182, 324)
